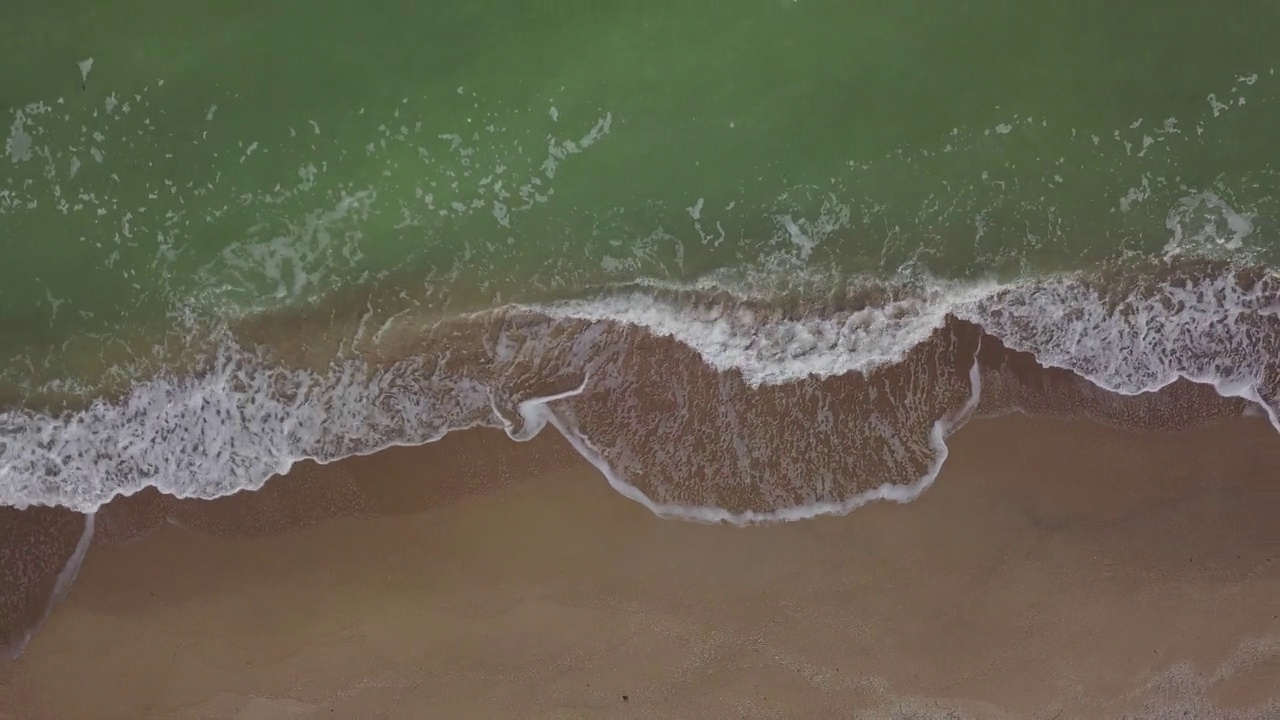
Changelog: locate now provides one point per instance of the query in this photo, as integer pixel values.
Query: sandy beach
(788, 359)
(1056, 569)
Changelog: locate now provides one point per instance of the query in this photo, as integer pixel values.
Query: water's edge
(683, 388)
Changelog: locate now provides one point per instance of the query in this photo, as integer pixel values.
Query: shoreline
(1051, 554)
(233, 426)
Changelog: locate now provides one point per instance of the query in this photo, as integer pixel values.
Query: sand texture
(1057, 569)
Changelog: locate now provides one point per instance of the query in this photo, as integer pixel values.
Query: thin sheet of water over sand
(1056, 569)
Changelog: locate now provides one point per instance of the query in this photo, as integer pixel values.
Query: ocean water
(755, 260)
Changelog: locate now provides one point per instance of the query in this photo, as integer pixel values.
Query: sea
(754, 260)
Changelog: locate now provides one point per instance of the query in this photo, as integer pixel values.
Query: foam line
(60, 586)
(234, 426)
(542, 411)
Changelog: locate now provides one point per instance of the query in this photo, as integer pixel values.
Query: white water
(234, 427)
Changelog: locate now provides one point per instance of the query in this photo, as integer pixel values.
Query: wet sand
(1057, 569)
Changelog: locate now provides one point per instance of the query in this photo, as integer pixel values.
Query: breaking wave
(702, 403)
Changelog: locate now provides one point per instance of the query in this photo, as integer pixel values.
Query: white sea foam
(1210, 330)
(241, 421)
(226, 430)
(769, 351)
(1203, 225)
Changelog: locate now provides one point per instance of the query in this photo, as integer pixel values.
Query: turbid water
(701, 239)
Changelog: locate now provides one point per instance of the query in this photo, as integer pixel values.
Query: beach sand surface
(1056, 569)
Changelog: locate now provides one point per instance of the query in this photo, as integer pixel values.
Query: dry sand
(1057, 569)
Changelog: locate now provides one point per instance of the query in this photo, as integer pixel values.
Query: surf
(697, 402)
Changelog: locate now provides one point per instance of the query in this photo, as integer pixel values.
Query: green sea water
(177, 164)
(264, 153)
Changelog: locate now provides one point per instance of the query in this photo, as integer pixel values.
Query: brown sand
(1057, 569)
